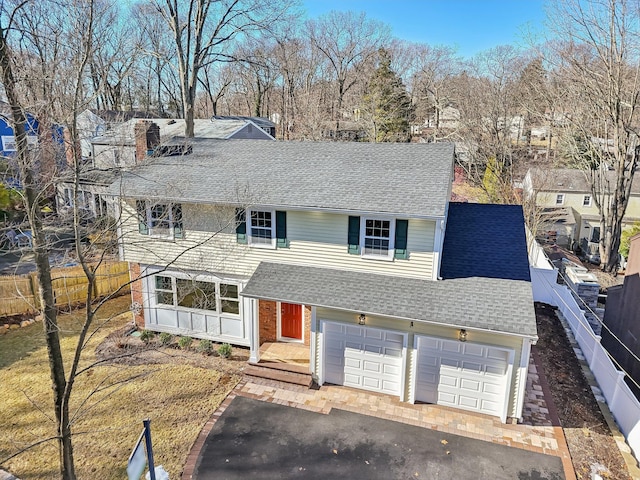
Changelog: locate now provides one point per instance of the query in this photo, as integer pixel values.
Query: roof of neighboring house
(486, 241)
(93, 176)
(557, 215)
(121, 115)
(396, 178)
(215, 128)
(478, 303)
(260, 121)
(567, 180)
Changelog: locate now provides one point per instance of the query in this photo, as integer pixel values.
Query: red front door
(291, 320)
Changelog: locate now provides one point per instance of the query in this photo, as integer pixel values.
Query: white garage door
(462, 375)
(363, 357)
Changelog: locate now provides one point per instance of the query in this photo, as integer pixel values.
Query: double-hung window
(262, 228)
(560, 199)
(160, 219)
(586, 201)
(378, 238)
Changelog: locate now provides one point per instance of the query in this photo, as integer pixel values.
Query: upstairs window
(560, 199)
(586, 201)
(160, 219)
(261, 228)
(377, 238)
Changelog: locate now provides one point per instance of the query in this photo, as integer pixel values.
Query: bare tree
(348, 42)
(206, 31)
(431, 86)
(597, 64)
(490, 120)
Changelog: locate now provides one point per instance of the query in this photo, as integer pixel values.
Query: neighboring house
(6, 131)
(351, 249)
(117, 147)
(621, 329)
(125, 143)
(93, 123)
(568, 188)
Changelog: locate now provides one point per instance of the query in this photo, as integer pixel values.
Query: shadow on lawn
(18, 344)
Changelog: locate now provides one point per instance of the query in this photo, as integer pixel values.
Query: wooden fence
(18, 293)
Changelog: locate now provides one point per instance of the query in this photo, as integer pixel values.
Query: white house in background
(352, 250)
(123, 144)
(569, 189)
(117, 147)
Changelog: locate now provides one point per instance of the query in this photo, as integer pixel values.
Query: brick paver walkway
(539, 431)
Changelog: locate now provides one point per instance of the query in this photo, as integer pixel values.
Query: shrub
(224, 350)
(146, 336)
(205, 346)
(185, 342)
(165, 338)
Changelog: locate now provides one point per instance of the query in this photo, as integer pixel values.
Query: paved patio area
(539, 431)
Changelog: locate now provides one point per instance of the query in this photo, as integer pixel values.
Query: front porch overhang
(489, 304)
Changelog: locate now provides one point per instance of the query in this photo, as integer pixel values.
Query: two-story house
(350, 249)
(566, 193)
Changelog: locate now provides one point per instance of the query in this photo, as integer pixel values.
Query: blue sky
(470, 25)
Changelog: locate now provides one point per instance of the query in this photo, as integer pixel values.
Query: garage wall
(497, 339)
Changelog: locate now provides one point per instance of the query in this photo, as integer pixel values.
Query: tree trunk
(43, 268)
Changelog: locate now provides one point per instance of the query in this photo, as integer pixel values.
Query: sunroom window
(213, 296)
(164, 290)
(195, 294)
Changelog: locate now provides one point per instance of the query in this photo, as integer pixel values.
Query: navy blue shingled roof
(485, 241)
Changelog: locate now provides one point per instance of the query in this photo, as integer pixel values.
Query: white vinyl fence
(621, 401)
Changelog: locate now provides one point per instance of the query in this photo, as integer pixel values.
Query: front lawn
(178, 398)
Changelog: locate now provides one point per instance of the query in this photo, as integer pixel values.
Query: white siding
(487, 338)
(315, 239)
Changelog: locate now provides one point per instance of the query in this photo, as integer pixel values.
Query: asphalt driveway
(261, 440)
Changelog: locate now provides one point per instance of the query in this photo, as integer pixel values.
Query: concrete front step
(280, 373)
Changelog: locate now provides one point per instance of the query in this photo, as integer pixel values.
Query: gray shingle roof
(399, 178)
(567, 180)
(216, 128)
(480, 303)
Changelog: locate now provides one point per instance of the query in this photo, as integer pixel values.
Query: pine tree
(386, 106)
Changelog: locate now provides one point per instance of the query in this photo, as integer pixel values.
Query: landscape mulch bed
(590, 442)
(122, 348)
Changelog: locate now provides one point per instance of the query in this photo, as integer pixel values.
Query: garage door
(462, 375)
(363, 357)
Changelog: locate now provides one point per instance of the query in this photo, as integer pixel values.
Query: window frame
(391, 239)
(560, 198)
(587, 200)
(171, 220)
(201, 279)
(250, 237)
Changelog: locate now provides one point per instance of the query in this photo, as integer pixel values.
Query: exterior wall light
(361, 319)
(462, 335)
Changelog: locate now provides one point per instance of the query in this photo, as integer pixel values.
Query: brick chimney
(147, 135)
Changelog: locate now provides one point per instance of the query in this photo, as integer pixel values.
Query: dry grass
(179, 399)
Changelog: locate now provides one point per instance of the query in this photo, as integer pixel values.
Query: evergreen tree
(386, 106)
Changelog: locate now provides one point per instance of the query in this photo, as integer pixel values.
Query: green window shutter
(281, 229)
(178, 229)
(141, 208)
(353, 238)
(241, 225)
(402, 227)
